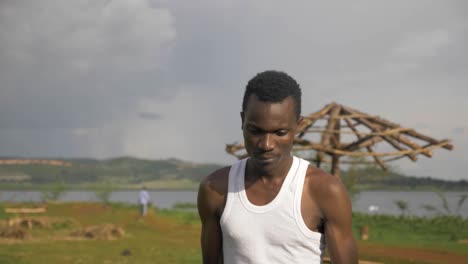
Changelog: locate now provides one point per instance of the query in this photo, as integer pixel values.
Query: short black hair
(273, 86)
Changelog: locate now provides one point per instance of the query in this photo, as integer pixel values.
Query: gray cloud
(458, 131)
(150, 116)
(85, 77)
(77, 64)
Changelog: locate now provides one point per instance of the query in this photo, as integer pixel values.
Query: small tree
(53, 192)
(350, 179)
(103, 192)
(446, 211)
(403, 206)
(460, 203)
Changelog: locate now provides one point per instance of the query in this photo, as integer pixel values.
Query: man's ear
(242, 119)
(299, 122)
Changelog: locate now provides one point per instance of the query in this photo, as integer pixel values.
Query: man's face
(269, 130)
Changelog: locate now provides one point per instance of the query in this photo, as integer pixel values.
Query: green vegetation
(162, 236)
(403, 206)
(103, 192)
(53, 191)
(351, 178)
(172, 236)
(123, 173)
(446, 211)
(442, 232)
(184, 206)
(2, 213)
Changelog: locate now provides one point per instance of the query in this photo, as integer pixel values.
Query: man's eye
(281, 133)
(254, 131)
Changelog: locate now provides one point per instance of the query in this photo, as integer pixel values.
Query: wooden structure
(346, 135)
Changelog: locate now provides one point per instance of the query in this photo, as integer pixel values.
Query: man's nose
(266, 142)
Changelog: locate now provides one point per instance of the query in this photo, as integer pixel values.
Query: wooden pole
(333, 110)
(335, 170)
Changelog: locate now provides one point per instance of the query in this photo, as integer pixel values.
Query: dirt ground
(411, 254)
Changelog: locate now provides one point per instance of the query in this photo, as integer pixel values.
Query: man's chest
(260, 193)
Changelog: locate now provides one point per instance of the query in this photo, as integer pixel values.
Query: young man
(273, 207)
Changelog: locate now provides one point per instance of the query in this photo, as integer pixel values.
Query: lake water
(380, 202)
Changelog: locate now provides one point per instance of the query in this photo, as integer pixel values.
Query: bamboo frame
(383, 133)
(369, 148)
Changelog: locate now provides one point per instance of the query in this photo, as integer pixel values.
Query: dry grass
(104, 231)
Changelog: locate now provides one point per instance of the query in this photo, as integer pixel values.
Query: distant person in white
(144, 199)
(373, 208)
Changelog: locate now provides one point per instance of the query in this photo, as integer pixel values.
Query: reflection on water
(381, 202)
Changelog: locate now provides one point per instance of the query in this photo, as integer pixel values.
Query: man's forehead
(256, 101)
(283, 107)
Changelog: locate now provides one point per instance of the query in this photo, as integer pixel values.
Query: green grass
(172, 236)
(3, 215)
(159, 237)
(442, 232)
(4, 259)
(184, 206)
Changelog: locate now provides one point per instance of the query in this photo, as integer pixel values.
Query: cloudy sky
(160, 79)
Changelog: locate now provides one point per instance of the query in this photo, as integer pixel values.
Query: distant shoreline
(97, 188)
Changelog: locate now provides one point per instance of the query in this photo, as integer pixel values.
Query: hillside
(123, 172)
(128, 172)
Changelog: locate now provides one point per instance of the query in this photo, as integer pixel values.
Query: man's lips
(263, 159)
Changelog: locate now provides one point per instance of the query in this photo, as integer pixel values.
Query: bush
(53, 192)
(184, 206)
(2, 212)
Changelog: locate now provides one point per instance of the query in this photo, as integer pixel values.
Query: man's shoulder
(212, 192)
(217, 181)
(322, 184)
(319, 176)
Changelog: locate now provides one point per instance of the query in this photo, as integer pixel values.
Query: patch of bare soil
(105, 232)
(412, 254)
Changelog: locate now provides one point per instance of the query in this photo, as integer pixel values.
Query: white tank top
(271, 233)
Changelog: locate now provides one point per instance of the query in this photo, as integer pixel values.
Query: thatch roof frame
(365, 131)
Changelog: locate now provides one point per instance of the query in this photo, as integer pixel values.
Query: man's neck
(277, 174)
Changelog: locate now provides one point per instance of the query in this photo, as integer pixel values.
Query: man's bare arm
(211, 195)
(336, 208)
